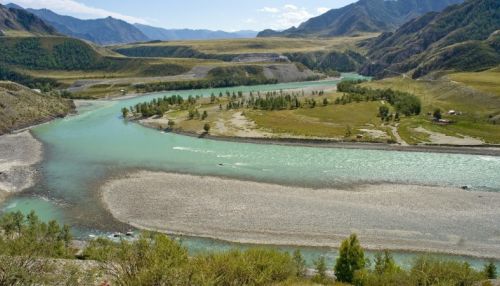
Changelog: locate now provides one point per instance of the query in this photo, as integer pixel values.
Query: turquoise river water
(84, 150)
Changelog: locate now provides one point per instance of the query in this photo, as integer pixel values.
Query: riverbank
(19, 153)
(484, 150)
(396, 217)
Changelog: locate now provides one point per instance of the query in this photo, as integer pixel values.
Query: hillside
(50, 62)
(21, 107)
(361, 17)
(463, 38)
(20, 22)
(105, 31)
(155, 33)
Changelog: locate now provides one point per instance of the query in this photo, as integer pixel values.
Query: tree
(300, 263)
(206, 127)
(205, 115)
(490, 270)
(325, 101)
(125, 112)
(437, 114)
(383, 112)
(384, 263)
(320, 276)
(351, 259)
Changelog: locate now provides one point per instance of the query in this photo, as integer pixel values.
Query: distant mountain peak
(105, 31)
(363, 16)
(17, 19)
(162, 34)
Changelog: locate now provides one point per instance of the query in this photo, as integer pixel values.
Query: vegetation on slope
(462, 38)
(329, 61)
(56, 61)
(37, 253)
(21, 107)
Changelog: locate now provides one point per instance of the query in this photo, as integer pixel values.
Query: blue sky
(208, 14)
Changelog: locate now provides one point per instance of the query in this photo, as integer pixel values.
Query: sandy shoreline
(19, 153)
(397, 217)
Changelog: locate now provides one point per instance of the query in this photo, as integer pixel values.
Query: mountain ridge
(463, 37)
(162, 34)
(364, 16)
(16, 20)
(105, 31)
(111, 31)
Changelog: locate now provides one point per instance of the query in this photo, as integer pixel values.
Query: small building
(452, 112)
(36, 90)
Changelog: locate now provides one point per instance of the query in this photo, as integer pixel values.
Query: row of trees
(275, 100)
(158, 106)
(28, 247)
(404, 103)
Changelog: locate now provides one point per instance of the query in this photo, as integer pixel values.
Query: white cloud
(74, 8)
(291, 7)
(269, 10)
(290, 15)
(322, 10)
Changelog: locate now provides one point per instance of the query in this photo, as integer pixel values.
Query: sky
(228, 15)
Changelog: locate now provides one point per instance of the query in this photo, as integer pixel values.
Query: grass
(486, 81)
(332, 121)
(264, 45)
(473, 94)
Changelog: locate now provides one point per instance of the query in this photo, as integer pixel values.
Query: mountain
(161, 34)
(107, 31)
(16, 21)
(363, 16)
(463, 37)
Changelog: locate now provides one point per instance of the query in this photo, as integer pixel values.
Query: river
(82, 151)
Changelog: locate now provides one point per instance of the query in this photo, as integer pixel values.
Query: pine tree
(300, 263)
(351, 259)
(490, 270)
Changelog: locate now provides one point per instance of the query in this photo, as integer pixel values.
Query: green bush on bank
(27, 247)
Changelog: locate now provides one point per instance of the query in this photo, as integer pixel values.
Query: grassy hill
(361, 17)
(462, 38)
(60, 61)
(234, 47)
(21, 107)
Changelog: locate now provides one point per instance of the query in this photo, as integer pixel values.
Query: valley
(380, 119)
